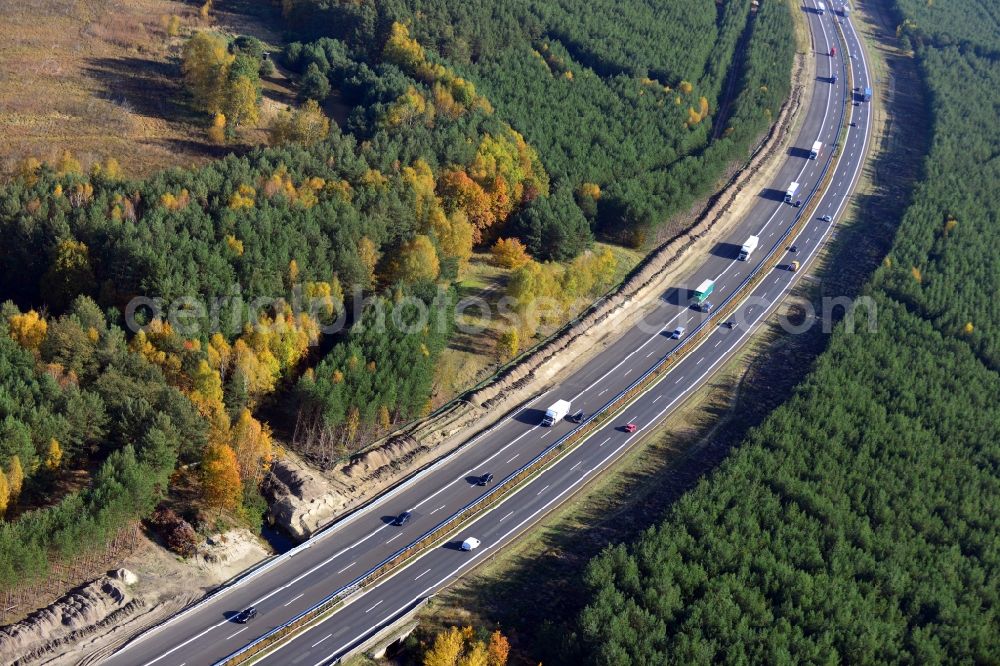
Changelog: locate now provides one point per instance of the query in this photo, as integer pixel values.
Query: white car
(470, 544)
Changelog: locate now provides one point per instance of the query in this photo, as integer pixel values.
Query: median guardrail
(563, 445)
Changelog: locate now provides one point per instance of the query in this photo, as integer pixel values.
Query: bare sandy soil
(93, 620)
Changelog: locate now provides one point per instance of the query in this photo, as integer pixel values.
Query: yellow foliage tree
(81, 194)
(307, 125)
(444, 101)
(446, 649)
(217, 131)
(252, 445)
(206, 62)
(416, 261)
(178, 201)
(110, 169)
(949, 225)
(408, 108)
(402, 50)
(695, 117)
(240, 104)
(220, 478)
(28, 329)
(234, 244)
(54, 455)
(508, 345)
(219, 354)
(454, 235)
(589, 274)
(328, 295)
(27, 170)
(535, 288)
(420, 179)
(590, 190)
(384, 420)
(4, 493)
(15, 477)
(509, 253)
(374, 178)
(258, 370)
(153, 344)
(243, 198)
(369, 255)
(351, 424)
(206, 385)
(68, 164)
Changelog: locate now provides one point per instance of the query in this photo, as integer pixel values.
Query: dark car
(485, 480)
(578, 417)
(793, 249)
(402, 518)
(246, 615)
(798, 203)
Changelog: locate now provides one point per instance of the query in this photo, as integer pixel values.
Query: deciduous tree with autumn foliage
(463, 646)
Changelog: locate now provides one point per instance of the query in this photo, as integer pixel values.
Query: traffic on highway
(836, 117)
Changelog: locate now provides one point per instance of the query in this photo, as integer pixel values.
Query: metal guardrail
(540, 461)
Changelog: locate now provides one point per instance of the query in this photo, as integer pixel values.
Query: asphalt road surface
(207, 633)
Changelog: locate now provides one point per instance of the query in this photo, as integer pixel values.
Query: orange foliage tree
(220, 478)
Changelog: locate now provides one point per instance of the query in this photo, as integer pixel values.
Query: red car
(631, 427)
(833, 51)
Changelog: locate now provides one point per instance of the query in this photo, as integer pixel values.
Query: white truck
(748, 248)
(814, 152)
(556, 413)
(793, 189)
(821, 8)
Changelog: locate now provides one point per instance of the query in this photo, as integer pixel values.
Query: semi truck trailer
(556, 413)
(748, 248)
(703, 291)
(793, 189)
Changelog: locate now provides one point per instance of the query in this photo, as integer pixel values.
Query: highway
(206, 633)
